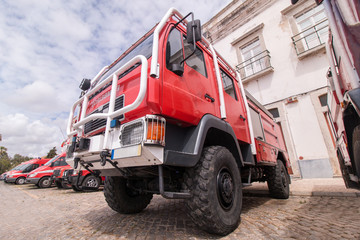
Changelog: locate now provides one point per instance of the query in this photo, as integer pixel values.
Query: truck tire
(215, 184)
(65, 185)
(58, 184)
(123, 199)
(45, 182)
(20, 181)
(356, 149)
(75, 188)
(278, 181)
(91, 181)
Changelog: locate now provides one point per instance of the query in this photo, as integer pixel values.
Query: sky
(47, 47)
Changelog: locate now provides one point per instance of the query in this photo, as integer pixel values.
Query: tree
(52, 153)
(5, 163)
(17, 159)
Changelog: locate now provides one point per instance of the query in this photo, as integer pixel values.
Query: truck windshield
(144, 48)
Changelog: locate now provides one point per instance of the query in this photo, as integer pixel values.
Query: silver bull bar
(77, 128)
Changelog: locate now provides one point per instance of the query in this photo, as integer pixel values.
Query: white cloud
(48, 46)
(29, 138)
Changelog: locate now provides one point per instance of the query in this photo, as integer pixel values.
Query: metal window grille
(254, 65)
(311, 37)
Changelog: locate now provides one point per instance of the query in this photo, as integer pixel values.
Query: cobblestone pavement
(27, 212)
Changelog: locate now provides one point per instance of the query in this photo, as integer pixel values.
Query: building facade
(279, 51)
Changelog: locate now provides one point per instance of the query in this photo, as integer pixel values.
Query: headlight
(132, 134)
(32, 175)
(10, 176)
(150, 129)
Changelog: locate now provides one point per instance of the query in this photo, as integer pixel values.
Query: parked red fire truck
(171, 117)
(58, 179)
(81, 180)
(343, 50)
(18, 175)
(41, 176)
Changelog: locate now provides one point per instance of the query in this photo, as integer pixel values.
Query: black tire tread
(18, 180)
(199, 207)
(275, 184)
(118, 199)
(41, 182)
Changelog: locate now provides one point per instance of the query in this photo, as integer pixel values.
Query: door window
(228, 83)
(196, 61)
(174, 51)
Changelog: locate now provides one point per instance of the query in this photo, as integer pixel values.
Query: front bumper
(73, 180)
(137, 143)
(11, 180)
(32, 180)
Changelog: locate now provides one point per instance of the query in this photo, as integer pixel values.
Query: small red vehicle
(41, 176)
(83, 180)
(19, 173)
(15, 169)
(58, 178)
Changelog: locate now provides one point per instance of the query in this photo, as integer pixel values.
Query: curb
(263, 193)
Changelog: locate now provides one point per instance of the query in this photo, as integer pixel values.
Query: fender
(354, 98)
(184, 147)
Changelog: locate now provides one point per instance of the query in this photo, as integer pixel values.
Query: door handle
(209, 98)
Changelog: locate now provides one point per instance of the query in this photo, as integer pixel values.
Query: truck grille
(100, 123)
(56, 172)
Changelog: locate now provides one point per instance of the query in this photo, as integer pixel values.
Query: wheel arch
(351, 121)
(185, 145)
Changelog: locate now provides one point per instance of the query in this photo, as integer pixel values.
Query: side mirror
(85, 84)
(178, 69)
(193, 30)
(52, 164)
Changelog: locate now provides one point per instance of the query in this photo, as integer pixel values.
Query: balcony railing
(254, 65)
(311, 37)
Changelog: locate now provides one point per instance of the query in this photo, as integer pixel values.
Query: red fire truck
(171, 117)
(343, 50)
(58, 179)
(82, 180)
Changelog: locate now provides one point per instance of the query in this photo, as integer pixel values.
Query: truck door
(235, 108)
(190, 95)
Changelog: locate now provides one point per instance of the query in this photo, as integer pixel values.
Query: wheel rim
(46, 182)
(21, 181)
(225, 187)
(91, 183)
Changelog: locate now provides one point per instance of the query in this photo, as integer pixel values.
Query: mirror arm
(194, 42)
(184, 19)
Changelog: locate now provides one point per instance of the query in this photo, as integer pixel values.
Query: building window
(312, 28)
(274, 112)
(255, 59)
(253, 56)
